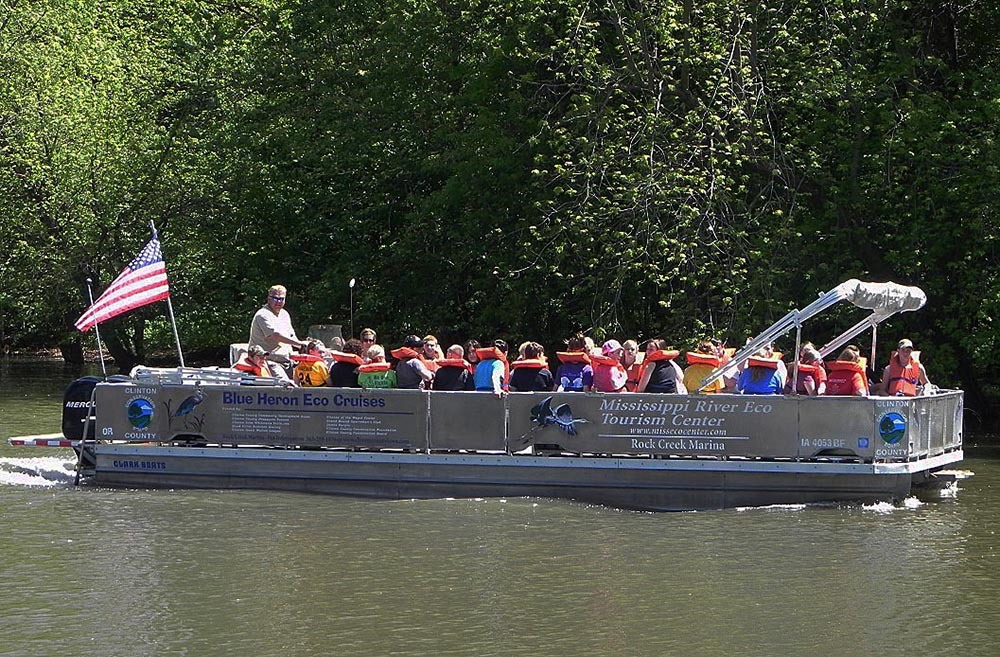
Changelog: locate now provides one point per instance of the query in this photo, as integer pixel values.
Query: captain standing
(271, 328)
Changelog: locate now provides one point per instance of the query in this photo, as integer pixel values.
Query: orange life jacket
(758, 361)
(342, 357)
(815, 371)
(903, 380)
(244, 365)
(634, 372)
(530, 364)
(846, 366)
(698, 358)
(573, 356)
(375, 367)
(494, 353)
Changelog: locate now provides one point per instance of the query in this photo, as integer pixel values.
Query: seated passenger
(368, 337)
(847, 374)
(904, 376)
(531, 373)
(470, 348)
(411, 373)
(254, 362)
(761, 375)
(632, 362)
(609, 374)
(430, 353)
(575, 373)
(491, 373)
(376, 373)
(310, 368)
(702, 362)
(811, 374)
(454, 372)
(344, 371)
(660, 373)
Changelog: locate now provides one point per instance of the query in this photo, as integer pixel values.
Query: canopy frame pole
(795, 358)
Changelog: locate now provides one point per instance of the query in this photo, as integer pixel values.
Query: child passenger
(530, 373)
(310, 370)
(609, 374)
(575, 374)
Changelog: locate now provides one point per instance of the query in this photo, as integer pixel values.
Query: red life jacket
(491, 353)
(609, 374)
(662, 354)
(342, 357)
(306, 358)
(530, 364)
(815, 371)
(573, 356)
(375, 367)
(403, 353)
(903, 381)
(453, 362)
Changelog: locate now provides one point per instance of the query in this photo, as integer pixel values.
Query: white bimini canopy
(883, 299)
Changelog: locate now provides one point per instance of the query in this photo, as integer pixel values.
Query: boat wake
(45, 471)
(907, 504)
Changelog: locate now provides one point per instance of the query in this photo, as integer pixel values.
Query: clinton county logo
(543, 415)
(892, 428)
(140, 412)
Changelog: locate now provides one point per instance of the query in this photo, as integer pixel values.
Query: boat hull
(642, 484)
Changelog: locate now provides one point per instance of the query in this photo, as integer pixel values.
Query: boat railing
(201, 376)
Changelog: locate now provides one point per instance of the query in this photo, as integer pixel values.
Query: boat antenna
(97, 331)
(170, 308)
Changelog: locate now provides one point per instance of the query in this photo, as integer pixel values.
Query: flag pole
(170, 308)
(97, 331)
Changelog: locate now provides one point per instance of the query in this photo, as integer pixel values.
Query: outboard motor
(77, 406)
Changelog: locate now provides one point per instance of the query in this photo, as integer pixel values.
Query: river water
(88, 571)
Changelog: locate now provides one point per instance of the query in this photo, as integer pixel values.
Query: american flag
(142, 282)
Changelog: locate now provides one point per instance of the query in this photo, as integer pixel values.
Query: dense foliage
(485, 168)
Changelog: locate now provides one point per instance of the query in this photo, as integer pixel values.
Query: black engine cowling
(76, 408)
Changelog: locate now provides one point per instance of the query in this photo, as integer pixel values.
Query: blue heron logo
(892, 428)
(140, 412)
(561, 416)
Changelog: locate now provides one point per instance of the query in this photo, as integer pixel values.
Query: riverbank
(195, 358)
